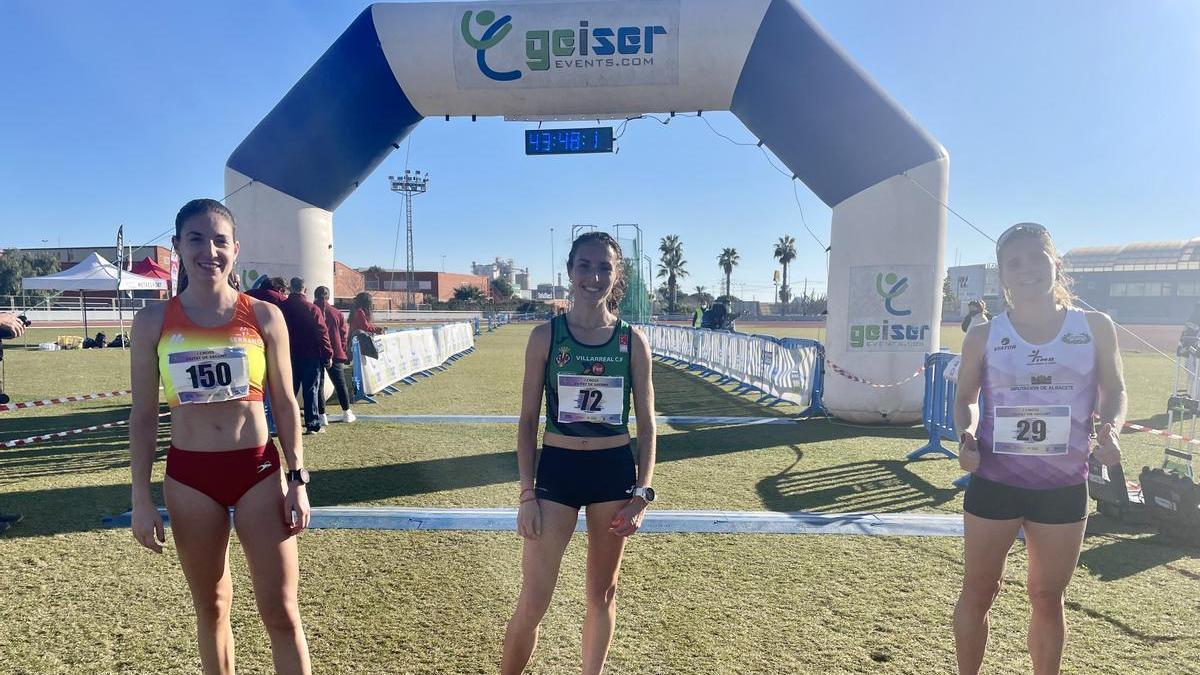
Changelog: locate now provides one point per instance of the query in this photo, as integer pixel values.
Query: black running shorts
(581, 477)
(1053, 506)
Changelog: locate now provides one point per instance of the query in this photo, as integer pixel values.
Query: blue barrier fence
(938, 410)
(779, 370)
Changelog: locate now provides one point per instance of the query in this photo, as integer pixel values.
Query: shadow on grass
(1128, 556)
(868, 486)
(73, 509)
(679, 392)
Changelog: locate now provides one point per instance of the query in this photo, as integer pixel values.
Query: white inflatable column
(279, 234)
(888, 240)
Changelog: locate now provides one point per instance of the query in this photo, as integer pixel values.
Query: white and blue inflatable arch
(764, 60)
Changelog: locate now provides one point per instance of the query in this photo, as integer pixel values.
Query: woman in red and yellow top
(215, 351)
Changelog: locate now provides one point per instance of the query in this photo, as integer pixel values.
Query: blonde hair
(1062, 282)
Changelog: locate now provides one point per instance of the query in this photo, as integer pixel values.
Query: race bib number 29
(1031, 430)
(209, 375)
(590, 398)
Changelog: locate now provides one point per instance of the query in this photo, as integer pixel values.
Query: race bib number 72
(590, 398)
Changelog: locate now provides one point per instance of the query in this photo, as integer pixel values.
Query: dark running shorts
(1054, 506)
(581, 477)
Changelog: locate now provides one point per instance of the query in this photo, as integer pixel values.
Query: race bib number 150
(209, 375)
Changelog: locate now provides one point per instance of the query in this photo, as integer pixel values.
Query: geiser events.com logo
(581, 48)
(864, 333)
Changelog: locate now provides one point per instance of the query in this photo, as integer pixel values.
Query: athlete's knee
(213, 608)
(1046, 599)
(280, 616)
(979, 592)
(602, 594)
(531, 607)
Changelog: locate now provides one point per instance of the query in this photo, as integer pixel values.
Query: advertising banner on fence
(405, 353)
(884, 314)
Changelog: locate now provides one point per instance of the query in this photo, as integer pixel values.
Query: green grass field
(79, 598)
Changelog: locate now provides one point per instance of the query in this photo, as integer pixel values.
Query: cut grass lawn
(81, 599)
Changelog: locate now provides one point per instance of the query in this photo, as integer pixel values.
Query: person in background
(269, 289)
(311, 350)
(976, 314)
(274, 291)
(11, 328)
(339, 332)
(360, 319)
(698, 315)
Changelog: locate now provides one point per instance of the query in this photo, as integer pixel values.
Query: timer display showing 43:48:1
(568, 141)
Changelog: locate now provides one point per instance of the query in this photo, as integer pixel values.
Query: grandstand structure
(1142, 282)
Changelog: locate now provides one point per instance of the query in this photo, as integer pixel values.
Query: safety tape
(854, 378)
(1160, 432)
(61, 434)
(63, 399)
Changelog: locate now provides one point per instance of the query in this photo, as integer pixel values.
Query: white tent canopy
(93, 273)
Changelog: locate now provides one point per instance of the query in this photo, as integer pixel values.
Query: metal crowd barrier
(937, 411)
(781, 370)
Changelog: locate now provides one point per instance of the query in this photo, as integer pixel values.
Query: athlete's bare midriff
(585, 443)
(232, 425)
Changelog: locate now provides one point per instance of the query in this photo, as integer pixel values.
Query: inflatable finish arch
(764, 60)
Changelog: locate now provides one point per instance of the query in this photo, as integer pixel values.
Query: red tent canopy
(148, 268)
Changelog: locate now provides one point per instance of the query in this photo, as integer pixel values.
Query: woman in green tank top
(589, 364)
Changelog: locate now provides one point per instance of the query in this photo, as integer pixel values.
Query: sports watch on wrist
(298, 476)
(646, 493)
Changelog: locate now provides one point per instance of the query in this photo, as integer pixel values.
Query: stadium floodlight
(409, 185)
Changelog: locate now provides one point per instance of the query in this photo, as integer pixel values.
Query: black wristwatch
(298, 476)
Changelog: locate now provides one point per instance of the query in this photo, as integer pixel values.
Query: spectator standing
(11, 328)
(338, 334)
(976, 314)
(272, 290)
(311, 349)
(360, 320)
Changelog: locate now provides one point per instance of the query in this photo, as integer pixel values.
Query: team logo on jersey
(596, 369)
(623, 342)
(1041, 380)
(564, 356)
(175, 338)
(1005, 345)
(1076, 338)
(1036, 359)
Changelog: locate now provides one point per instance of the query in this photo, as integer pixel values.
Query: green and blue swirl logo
(898, 285)
(497, 30)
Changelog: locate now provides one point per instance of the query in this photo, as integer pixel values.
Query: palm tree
(728, 260)
(672, 266)
(469, 294)
(785, 253)
(703, 297)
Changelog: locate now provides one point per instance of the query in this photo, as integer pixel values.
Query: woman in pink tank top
(1028, 387)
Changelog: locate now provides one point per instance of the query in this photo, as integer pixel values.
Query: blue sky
(1083, 115)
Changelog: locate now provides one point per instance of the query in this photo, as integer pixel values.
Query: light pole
(552, 263)
(443, 263)
(411, 183)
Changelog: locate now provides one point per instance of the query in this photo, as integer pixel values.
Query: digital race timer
(568, 141)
